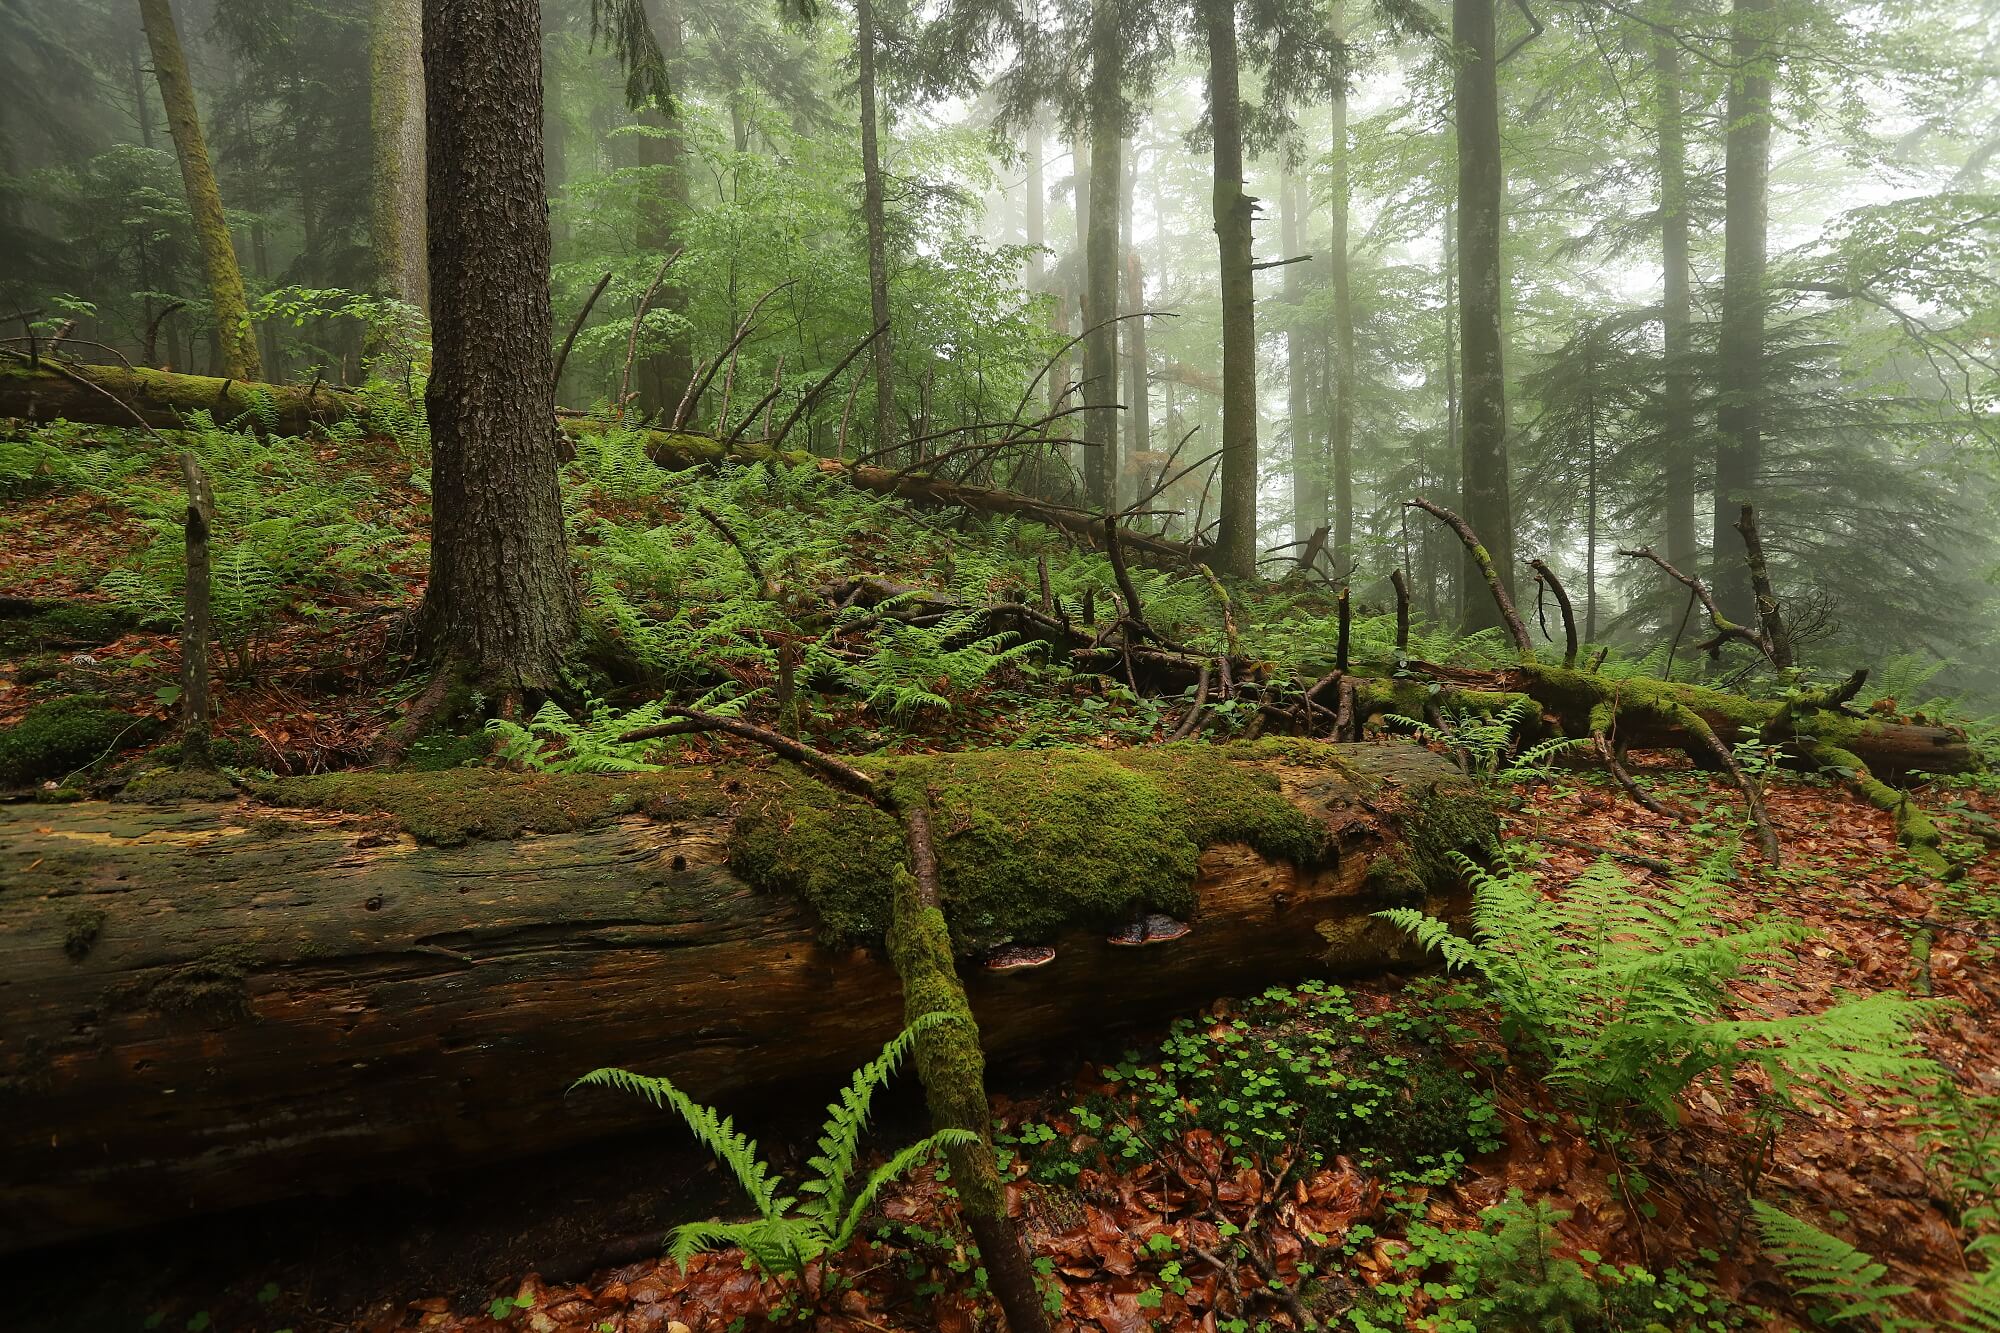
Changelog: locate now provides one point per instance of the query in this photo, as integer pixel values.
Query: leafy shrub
(790, 1233)
(1620, 993)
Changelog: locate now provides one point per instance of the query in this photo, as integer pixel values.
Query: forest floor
(1128, 1197)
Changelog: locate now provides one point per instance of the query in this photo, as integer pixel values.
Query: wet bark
(501, 601)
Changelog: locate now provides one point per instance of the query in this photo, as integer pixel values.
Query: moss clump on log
(57, 738)
(170, 786)
(453, 806)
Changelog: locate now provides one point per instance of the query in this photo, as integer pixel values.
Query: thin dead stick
(195, 618)
(1343, 607)
(1512, 618)
(714, 520)
(841, 773)
(1547, 577)
(777, 387)
(1193, 718)
(1135, 614)
(700, 386)
(812, 395)
(638, 318)
(1725, 629)
(1402, 587)
(1228, 614)
(569, 341)
(152, 344)
(1771, 620)
(846, 415)
(1609, 754)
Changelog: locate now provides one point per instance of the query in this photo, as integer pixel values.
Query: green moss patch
(451, 807)
(61, 736)
(168, 786)
(28, 627)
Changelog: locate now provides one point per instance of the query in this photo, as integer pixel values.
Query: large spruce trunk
(502, 599)
(1101, 261)
(1236, 535)
(205, 1006)
(1739, 372)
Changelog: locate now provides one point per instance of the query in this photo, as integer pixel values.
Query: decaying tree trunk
(205, 1006)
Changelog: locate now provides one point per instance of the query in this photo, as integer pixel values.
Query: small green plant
(1489, 744)
(789, 1233)
(1844, 1284)
(1621, 994)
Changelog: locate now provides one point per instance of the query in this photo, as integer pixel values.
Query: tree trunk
(1341, 443)
(663, 374)
(1739, 446)
(231, 307)
(396, 120)
(1138, 407)
(1484, 501)
(1236, 537)
(1101, 260)
(1443, 569)
(501, 602)
(1677, 433)
(872, 209)
(210, 1006)
(1308, 469)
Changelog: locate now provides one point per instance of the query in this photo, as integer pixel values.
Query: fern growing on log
(791, 1231)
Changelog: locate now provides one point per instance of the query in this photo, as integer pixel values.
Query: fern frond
(718, 1134)
(1848, 1280)
(888, 1173)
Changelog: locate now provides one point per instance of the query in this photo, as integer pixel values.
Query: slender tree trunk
(396, 119)
(1101, 260)
(665, 372)
(1308, 468)
(873, 209)
(501, 602)
(1035, 215)
(1341, 443)
(1590, 495)
(1740, 342)
(1138, 417)
(1451, 405)
(1483, 480)
(236, 341)
(1236, 538)
(1678, 434)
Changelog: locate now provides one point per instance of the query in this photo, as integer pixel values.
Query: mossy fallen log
(340, 978)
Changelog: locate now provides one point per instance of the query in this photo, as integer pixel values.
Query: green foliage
(1506, 1276)
(1489, 744)
(58, 738)
(789, 1232)
(1621, 993)
(1296, 1076)
(1845, 1285)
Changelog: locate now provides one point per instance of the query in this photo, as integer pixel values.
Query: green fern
(1489, 744)
(1844, 1283)
(792, 1231)
(1620, 993)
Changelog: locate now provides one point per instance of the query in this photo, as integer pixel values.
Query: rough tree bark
(396, 122)
(665, 373)
(1739, 371)
(1138, 404)
(235, 339)
(1101, 258)
(1236, 535)
(1484, 500)
(501, 602)
(209, 1006)
(1308, 468)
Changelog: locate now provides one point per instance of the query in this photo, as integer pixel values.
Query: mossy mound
(168, 786)
(1028, 842)
(450, 807)
(56, 739)
(29, 627)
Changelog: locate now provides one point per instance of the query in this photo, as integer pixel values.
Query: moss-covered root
(953, 1069)
(1914, 828)
(1603, 721)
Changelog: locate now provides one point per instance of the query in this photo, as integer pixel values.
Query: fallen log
(362, 975)
(165, 399)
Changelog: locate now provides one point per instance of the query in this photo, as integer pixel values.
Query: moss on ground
(80, 931)
(56, 739)
(166, 786)
(28, 627)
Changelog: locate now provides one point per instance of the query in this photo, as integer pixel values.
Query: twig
(812, 395)
(1193, 718)
(1725, 628)
(1512, 618)
(841, 773)
(1344, 608)
(729, 535)
(1547, 578)
(1228, 614)
(638, 318)
(1402, 587)
(562, 357)
(700, 385)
